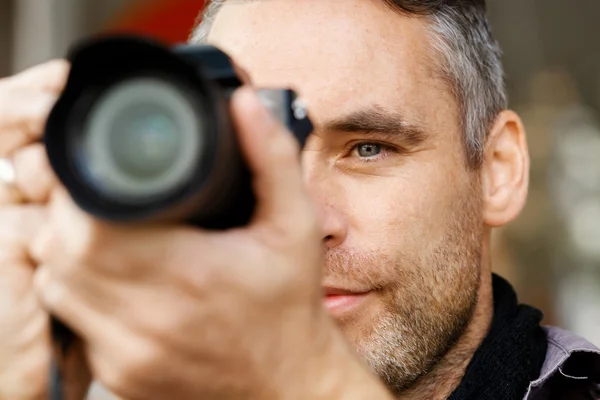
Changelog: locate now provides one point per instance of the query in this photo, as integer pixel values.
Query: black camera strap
(63, 340)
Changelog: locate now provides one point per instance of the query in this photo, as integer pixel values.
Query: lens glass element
(142, 140)
(145, 141)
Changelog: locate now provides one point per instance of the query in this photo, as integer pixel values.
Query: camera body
(142, 133)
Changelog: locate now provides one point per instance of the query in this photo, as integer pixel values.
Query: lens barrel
(142, 133)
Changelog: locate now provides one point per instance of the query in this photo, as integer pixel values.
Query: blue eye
(368, 150)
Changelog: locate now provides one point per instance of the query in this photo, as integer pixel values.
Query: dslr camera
(142, 133)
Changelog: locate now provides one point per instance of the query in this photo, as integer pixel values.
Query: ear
(505, 170)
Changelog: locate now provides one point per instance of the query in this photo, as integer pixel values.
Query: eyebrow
(375, 119)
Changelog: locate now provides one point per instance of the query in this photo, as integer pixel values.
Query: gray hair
(470, 61)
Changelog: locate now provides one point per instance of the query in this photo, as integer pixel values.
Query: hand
(25, 101)
(177, 312)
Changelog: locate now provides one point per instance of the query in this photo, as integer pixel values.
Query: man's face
(401, 213)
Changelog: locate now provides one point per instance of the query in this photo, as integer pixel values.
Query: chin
(358, 323)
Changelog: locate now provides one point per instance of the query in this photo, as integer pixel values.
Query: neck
(448, 373)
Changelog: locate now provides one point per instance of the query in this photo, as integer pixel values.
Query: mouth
(340, 302)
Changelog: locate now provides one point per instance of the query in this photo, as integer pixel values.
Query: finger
(57, 297)
(273, 156)
(10, 195)
(16, 271)
(24, 324)
(23, 115)
(69, 232)
(34, 179)
(50, 76)
(21, 223)
(130, 252)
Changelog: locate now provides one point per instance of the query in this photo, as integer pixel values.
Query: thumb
(273, 156)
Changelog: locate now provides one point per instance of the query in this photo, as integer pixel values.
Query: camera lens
(145, 141)
(142, 140)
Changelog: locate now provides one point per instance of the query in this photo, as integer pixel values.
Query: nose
(328, 198)
(332, 225)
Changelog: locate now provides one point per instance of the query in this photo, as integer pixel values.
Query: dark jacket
(571, 370)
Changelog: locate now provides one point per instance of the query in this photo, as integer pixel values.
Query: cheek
(395, 213)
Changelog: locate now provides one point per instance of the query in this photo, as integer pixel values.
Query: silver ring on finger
(8, 173)
(9, 193)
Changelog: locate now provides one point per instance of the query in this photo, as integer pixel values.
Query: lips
(331, 291)
(336, 291)
(340, 302)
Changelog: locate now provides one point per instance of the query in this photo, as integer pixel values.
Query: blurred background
(552, 59)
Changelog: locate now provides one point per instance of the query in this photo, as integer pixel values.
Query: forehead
(340, 54)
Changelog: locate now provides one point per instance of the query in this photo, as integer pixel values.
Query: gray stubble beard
(430, 307)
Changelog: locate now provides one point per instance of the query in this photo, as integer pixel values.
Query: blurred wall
(6, 19)
(44, 29)
(552, 61)
(32, 31)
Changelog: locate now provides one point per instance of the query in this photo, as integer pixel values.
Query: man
(413, 162)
